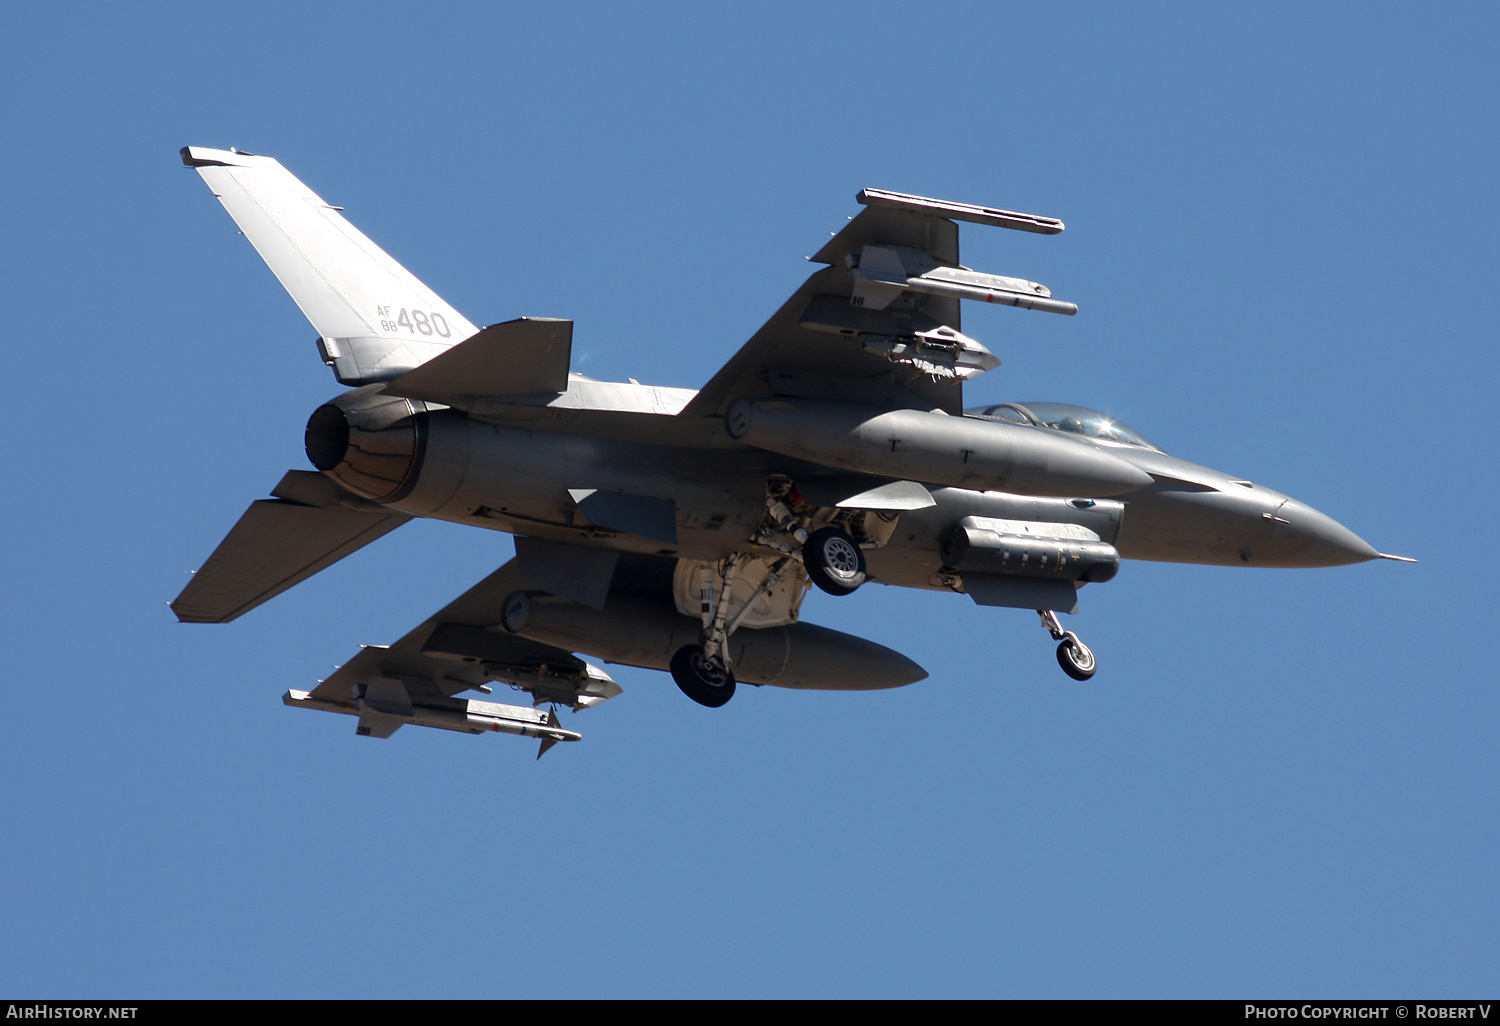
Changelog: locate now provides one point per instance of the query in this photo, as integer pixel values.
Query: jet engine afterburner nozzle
(372, 444)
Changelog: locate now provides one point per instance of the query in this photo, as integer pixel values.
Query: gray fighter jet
(679, 530)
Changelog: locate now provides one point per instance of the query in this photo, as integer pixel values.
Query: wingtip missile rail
(992, 216)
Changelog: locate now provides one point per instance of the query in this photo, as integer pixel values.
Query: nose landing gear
(1076, 659)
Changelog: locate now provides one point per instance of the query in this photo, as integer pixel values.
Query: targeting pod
(1027, 548)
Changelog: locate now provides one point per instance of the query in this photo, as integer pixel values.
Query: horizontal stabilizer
(310, 488)
(529, 356)
(276, 544)
(375, 320)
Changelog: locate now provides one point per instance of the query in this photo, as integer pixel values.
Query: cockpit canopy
(1064, 417)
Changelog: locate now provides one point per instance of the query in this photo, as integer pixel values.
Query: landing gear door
(768, 607)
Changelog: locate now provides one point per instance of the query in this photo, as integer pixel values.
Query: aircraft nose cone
(1301, 536)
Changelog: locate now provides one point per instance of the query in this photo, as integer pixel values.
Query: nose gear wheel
(1076, 659)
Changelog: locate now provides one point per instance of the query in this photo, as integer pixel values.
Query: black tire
(706, 682)
(834, 561)
(1076, 658)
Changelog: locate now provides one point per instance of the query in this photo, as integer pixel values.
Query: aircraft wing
(881, 323)
(309, 525)
(456, 650)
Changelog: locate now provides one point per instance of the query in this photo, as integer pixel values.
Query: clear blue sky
(1282, 235)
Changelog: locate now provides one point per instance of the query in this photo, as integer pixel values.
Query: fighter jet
(680, 530)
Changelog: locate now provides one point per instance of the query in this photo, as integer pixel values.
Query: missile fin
(377, 724)
(548, 742)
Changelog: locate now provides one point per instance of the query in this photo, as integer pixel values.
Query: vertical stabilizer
(374, 319)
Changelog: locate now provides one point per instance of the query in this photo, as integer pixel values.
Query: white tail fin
(374, 319)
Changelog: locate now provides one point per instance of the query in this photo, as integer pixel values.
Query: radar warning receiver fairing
(679, 530)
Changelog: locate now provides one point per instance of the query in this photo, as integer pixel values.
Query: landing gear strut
(1075, 658)
(831, 556)
(703, 671)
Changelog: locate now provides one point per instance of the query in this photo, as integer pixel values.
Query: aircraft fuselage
(523, 477)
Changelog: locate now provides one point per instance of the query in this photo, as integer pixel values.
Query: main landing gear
(834, 561)
(831, 556)
(1076, 659)
(703, 678)
(703, 671)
